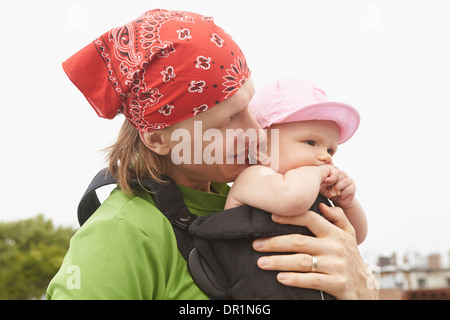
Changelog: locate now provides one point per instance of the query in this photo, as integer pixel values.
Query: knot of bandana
(161, 68)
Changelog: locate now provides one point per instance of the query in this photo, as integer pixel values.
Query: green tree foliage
(31, 252)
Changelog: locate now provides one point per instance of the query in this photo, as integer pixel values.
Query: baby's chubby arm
(286, 194)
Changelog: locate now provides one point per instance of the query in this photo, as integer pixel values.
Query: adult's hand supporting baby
(340, 272)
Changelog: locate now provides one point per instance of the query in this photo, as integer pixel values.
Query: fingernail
(281, 276)
(276, 217)
(262, 261)
(258, 244)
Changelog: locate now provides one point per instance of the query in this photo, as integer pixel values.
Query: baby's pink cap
(292, 100)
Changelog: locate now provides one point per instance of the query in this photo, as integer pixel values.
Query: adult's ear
(156, 141)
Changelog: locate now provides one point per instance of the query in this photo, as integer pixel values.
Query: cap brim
(345, 116)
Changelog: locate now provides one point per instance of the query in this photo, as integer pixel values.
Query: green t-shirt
(128, 250)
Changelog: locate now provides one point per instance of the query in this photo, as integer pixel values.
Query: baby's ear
(156, 142)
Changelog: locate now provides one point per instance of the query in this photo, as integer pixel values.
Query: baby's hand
(330, 175)
(340, 189)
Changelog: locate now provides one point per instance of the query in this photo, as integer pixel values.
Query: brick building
(426, 279)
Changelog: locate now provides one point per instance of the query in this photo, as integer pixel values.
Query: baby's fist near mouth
(330, 174)
(331, 177)
(345, 191)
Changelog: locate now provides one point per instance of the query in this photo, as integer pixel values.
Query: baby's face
(306, 143)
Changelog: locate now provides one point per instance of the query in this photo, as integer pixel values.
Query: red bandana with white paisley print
(162, 68)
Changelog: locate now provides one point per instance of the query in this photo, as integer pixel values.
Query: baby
(309, 128)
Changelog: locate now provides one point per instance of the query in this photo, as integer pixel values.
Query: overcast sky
(389, 59)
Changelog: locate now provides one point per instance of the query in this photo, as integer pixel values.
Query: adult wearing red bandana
(164, 71)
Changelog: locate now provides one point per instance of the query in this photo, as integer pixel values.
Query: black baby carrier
(218, 248)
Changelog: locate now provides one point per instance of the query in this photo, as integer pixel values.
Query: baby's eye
(330, 151)
(310, 142)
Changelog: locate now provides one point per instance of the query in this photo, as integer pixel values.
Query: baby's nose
(325, 158)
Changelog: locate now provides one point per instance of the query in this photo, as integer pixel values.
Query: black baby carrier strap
(218, 248)
(167, 198)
